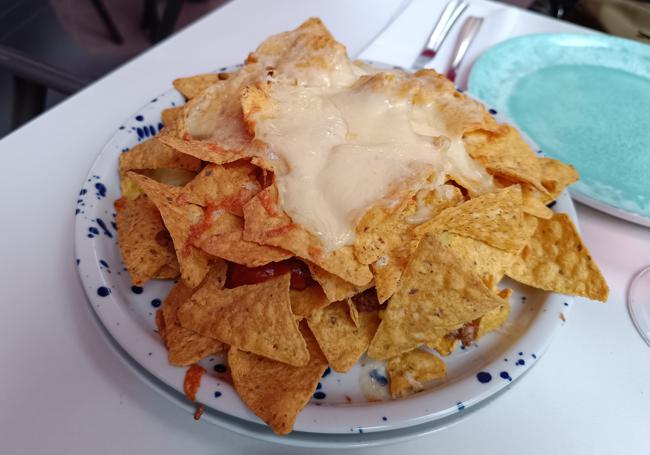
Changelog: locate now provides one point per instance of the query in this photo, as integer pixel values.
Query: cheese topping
(341, 150)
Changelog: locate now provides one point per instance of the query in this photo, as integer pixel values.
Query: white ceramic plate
(339, 405)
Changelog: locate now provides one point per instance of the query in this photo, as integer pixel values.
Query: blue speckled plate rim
(486, 63)
(538, 335)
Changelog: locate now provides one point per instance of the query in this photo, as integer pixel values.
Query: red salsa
(239, 275)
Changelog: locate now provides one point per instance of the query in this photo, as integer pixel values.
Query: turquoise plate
(585, 99)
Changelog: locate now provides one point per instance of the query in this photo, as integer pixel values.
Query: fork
(447, 19)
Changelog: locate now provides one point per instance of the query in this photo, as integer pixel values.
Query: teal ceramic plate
(584, 99)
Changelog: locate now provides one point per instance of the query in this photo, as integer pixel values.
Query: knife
(465, 37)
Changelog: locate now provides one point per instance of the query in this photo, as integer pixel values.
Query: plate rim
(326, 413)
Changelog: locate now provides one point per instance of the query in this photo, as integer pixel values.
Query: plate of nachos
(328, 246)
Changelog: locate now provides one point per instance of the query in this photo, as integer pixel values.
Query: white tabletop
(63, 391)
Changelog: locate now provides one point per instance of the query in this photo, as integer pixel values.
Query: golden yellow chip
(128, 188)
(490, 263)
(534, 203)
(232, 247)
(265, 223)
(388, 269)
(179, 220)
(339, 339)
(457, 113)
(172, 177)
(256, 318)
(140, 229)
(205, 151)
(185, 346)
(154, 154)
(353, 312)
(306, 301)
(505, 154)
(220, 234)
(494, 319)
(191, 87)
(227, 186)
(444, 345)
(274, 391)
(375, 232)
(557, 260)
(399, 238)
(556, 176)
(409, 373)
(438, 291)
(215, 115)
(170, 270)
(170, 117)
(494, 218)
(335, 288)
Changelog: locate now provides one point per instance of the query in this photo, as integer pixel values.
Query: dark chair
(32, 79)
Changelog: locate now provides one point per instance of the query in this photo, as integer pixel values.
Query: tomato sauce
(239, 275)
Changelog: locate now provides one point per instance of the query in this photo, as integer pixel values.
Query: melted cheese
(341, 150)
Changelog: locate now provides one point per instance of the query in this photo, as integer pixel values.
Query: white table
(63, 391)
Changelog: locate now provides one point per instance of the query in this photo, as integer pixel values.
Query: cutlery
(467, 34)
(447, 19)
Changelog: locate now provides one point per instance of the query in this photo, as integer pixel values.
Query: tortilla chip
(191, 87)
(401, 238)
(457, 112)
(215, 115)
(265, 223)
(376, 226)
(185, 346)
(338, 337)
(493, 218)
(128, 188)
(215, 221)
(556, 176)
(296, 54)
(170, 117)
(170, 270)
(192, 381)
(505, 153)
(335, 288)
(204, 151)
(489, 263)
(444, 345)
(556, 260)
(533, 203)
(220, 234)
(437, 292)
(353, 312)
(409, 372)
(305, 302)
(167, 176)
(256, 318)
(154, 154)
(139, 226)
(179, 220)
(229, 186)
(232, 247)
(274, 391)
(494, 319)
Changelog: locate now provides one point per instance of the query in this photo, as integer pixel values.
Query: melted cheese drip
(342, 150)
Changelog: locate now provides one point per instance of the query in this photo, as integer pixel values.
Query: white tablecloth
(62, 391)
